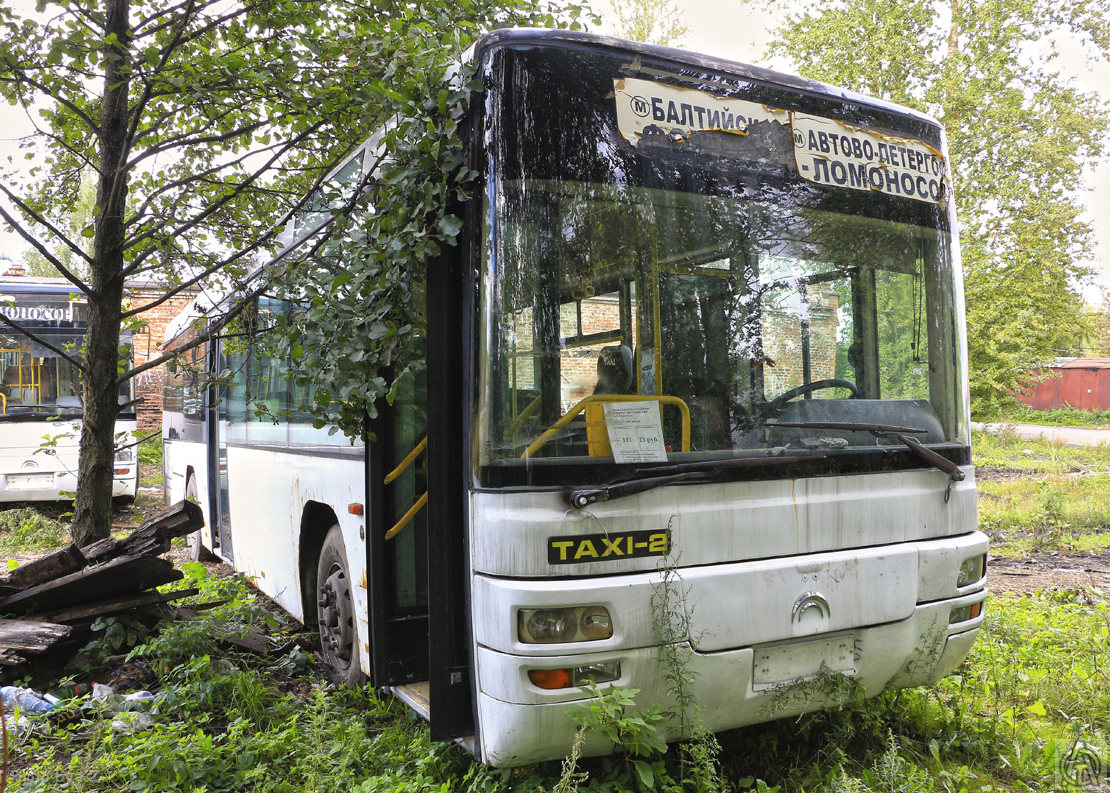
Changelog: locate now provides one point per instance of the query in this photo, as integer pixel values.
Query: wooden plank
(119, 605)
(46, 568)
(8, 658)
(124, 576)
(150, 539)
(31, 636)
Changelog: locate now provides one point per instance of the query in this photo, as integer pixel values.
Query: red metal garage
(1080, 383)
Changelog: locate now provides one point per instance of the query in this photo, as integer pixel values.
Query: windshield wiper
(937, 461)
(924, 453)
(651, 478)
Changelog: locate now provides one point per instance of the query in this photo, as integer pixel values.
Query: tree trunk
(92, 514)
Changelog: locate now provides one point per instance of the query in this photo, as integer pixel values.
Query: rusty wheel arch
(316, 520)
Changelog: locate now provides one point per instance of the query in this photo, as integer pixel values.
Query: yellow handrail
(570, 415)
(420, 502)
(4, 400)
(401, 466)
(407, 517)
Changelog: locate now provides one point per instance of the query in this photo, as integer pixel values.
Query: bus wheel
(335, 609)
(197, 551)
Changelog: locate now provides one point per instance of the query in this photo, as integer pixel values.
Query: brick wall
(148, 345)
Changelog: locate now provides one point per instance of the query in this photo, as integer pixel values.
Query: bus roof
(25, 284)
(508, 36)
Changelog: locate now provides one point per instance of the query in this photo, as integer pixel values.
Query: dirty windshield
(654, 293)
(38, 376)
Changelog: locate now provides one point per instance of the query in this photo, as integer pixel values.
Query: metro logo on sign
(832, 153)
(643, 106)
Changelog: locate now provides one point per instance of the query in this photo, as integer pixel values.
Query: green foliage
(208, 123)
(650, 21)
(356, 333)
(26, 530)
(150, 452)
(238, 610)
(1020, 135)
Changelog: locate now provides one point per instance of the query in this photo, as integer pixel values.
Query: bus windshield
(36, 380)
(683, 294)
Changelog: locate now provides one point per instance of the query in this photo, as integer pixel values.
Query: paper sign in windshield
(635, 432)
(647, 108)
(831, 153)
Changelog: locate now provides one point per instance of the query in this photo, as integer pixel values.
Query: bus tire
(197, 551)
(335, 609)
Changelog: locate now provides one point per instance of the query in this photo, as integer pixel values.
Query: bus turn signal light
(603, 672)
(965, 613)
(550, 678)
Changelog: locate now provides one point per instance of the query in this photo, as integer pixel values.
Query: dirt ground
(1045, 571)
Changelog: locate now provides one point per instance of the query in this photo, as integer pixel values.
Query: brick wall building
(148, 344)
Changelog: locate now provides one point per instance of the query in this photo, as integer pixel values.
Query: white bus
(40, 394)
(705, 325)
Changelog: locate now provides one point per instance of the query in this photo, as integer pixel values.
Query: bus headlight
(125, 456)
(971, 570)
(574, 624)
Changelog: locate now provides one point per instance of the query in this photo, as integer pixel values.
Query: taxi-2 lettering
(607, 547)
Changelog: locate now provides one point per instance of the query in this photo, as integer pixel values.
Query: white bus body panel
(271, 489)
(752, 558)
(30, 471)
(725, 522)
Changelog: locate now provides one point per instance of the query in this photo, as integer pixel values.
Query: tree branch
(37, 218)
(46, 254)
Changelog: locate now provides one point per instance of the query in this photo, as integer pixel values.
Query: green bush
(26, 530)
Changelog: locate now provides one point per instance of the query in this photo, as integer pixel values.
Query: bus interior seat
(614, 370)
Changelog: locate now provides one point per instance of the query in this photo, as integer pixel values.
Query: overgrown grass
(26, 530)
(1032, 687)
(1037, 496)
(1009, 451)
(1062, 417)
(1058, 512)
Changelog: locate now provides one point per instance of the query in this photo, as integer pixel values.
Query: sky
(740, 31)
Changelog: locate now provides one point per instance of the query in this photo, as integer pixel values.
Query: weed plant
(26, 530)
(1032, 690)
(1060, 417)
(1006, 450)
(1053, 513)
(150, 452)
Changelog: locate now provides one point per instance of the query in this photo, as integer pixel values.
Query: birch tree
(202, 120)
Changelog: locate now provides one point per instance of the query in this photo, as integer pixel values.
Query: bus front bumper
(58, 486)
(522, 723)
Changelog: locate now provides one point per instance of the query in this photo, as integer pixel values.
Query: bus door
(224, 396)
(398, 547)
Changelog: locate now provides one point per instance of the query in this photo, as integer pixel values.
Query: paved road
(1069, 436)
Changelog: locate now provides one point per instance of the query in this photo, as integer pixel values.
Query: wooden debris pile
(51, 600)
